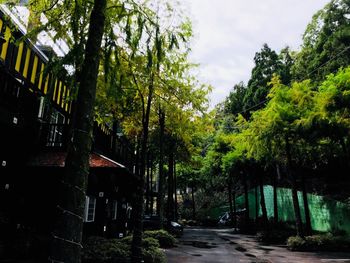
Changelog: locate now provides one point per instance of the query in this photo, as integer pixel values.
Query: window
(114, 209)
(90, 207)
(55, 136)
(41, 108)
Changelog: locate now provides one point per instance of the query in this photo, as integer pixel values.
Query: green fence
(326, 214)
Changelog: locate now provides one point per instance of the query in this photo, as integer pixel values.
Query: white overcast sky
(227, 33)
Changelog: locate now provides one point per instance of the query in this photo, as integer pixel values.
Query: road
(204, 245)
(213, 245)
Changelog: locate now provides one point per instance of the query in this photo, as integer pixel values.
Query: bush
(323, 242)
(276, 234)
(272, 237)
(165, 239)
(151, 252)
(295, 243)
(101, 250)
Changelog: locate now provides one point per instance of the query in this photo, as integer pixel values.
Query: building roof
(57, 159)
(19, 15)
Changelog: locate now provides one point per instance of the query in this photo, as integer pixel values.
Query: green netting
(326, 214)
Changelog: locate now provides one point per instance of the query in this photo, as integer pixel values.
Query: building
(35, 117)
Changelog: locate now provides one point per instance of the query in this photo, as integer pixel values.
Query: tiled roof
(57, 159)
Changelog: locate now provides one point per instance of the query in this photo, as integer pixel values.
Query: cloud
(229, 32)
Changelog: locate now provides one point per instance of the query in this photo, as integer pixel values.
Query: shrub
(276, 234)
(295, 243)
(147, 242)
(322, 242)
(151, 252)
(101, 250)
(165, 239)
(271, 237)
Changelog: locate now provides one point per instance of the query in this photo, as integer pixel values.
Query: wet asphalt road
(215, 245)
(205, 245)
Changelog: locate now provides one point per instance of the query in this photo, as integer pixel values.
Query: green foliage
(234, 104)
(267, 63)
(150, 249)
(323, 242)
(165, 239)
(276, 234)
(206, 201)
(246, 99)
(101, 250)
(295, 242)
(325, 43)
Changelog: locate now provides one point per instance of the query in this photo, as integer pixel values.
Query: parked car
(175, 228)
(224, 219)
(151, 222)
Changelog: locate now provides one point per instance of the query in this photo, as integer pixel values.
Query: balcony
(55, 137)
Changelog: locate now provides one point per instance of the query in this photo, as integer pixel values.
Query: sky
(228, 33)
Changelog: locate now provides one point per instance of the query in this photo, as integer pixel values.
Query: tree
(325, 43)
(233, 104)
(275, 129)
(286, 57)
(148, 68)
(67, 234)
(267, 63)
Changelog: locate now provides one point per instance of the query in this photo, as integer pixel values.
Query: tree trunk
(137, 156)
(160, 203)
(176, 217)
(292, 175)
(275, 200)
(234, 210)
(170, 205)
(345, 151)
(256, 203)
(67, 233)
(246, 198)
(262, 202)
(308, 228)
(193, 204)
(136, 245)
(232, 215)
(151, 186)
(147, 185)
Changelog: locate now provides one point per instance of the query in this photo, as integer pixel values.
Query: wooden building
(35, 114)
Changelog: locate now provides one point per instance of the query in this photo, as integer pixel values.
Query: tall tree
(267, 63)
(234, 103)
(67, 234)
(325, 45)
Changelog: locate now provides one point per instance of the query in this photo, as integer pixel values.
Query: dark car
(175, 228)
(153, 223)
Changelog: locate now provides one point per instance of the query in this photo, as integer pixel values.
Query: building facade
(35, 117)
